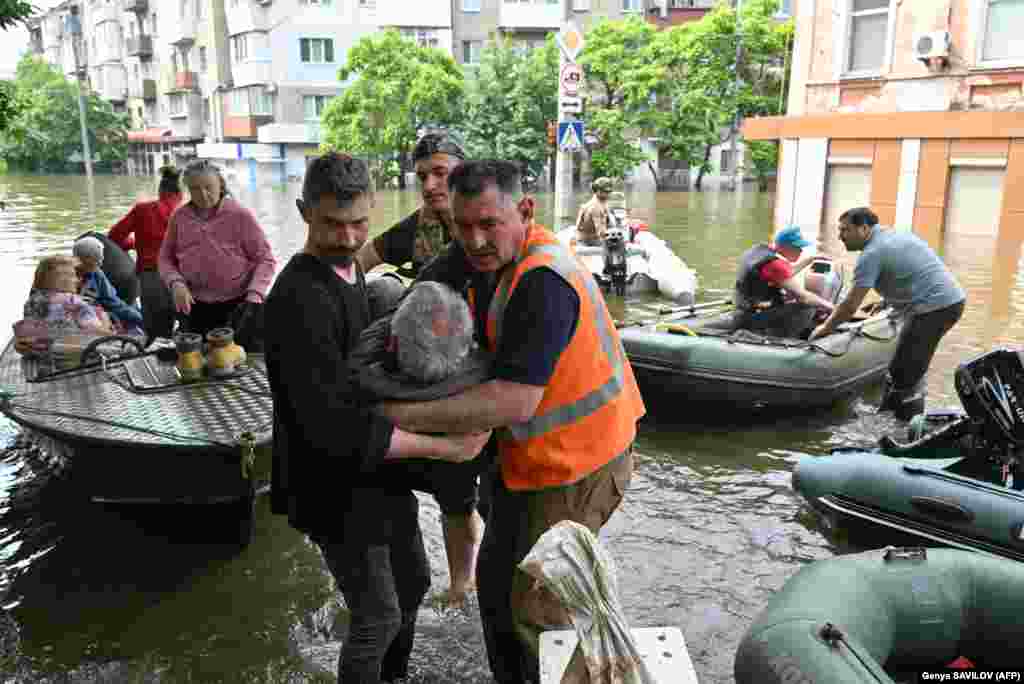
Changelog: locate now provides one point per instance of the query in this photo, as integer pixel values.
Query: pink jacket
(221, 258)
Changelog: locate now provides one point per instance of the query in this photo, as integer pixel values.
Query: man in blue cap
(769, 298)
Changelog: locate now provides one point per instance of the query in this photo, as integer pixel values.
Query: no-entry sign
(571, 79)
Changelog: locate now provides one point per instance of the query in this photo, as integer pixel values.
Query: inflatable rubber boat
(700, 356)
(962, 487)
(885, 616)
(633, 260)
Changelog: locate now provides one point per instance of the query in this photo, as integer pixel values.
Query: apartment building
(526, 23)
(284, 60)
(915, 109)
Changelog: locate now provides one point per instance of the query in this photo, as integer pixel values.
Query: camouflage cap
(446, 142)
(602, 184)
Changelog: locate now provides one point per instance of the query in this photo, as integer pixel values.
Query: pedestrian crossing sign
(570, 135)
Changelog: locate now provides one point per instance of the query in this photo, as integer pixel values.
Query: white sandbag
(571, 563)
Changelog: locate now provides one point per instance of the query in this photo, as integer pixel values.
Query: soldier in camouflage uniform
(419, 237)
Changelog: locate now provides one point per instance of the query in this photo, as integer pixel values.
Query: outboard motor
(991, 389)
(616, 271)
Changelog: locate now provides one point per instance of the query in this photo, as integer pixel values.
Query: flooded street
(709, 530)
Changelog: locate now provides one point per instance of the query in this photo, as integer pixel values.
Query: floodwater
(709, 530)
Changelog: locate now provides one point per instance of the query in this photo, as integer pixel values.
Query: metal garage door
(975, 200)
(847, 186)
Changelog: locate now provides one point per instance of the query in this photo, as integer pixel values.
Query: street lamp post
(74, 28)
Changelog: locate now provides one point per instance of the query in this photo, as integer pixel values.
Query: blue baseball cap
(790, 236)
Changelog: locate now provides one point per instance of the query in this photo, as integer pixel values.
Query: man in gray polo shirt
(912, 279)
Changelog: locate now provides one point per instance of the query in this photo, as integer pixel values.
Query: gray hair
(433, 330)
(205, 167)
(88, 246)
(473, 178)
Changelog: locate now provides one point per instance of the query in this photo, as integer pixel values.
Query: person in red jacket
(143, 229)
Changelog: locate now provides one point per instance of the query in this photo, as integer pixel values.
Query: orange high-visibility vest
(588, 413)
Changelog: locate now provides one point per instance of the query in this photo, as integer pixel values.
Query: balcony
(136, 5)
(185, 80)
(515, 15)
(181, 31)
(143, 89)
(97, 13)
(244, 126)
(140, 46)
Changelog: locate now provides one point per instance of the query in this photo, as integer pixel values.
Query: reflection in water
(709, 530)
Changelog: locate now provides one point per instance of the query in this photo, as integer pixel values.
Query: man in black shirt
(334, 460)
(421, 235)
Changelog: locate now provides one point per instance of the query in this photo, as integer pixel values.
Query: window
(867, 35)
(1002, 37)
(202, 58)
(470, 5)
(316, 50)
(206, 111)
(183, 8)
(152, 23)
(471, 51)
(580, 5)
(239, 105)
(262, 102)
(422, 37)
(240, 47)
(631, 5)
(176, 103)
(313, 106)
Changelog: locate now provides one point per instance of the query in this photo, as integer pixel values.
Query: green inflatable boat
(689, 359)
(959, 484)
(885, 616)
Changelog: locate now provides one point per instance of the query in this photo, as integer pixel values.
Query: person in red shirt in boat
(143, 229)
(769, 298)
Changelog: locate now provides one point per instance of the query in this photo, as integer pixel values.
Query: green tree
(511, 122)
(616, 151)
(45, 131)
(397, 89)
(617, 110)
(13, 11)
(693, 69)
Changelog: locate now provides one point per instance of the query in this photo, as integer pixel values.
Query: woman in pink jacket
(215, 258)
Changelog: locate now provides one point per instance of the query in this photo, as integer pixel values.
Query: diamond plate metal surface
(101, 406)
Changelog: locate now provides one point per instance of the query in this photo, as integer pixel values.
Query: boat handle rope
(832, 636)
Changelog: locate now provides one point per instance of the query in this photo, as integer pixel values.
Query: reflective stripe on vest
(565, 266)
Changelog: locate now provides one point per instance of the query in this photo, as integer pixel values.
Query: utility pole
(737, 182)
(563, 158)
(74, 28)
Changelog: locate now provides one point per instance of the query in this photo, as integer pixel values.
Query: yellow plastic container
(190, 356)
(223, 355)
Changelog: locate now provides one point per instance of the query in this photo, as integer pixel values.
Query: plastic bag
(570, 562)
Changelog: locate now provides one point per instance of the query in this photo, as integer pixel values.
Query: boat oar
(694, 308)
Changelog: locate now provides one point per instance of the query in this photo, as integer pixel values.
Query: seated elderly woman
(55, 312)
(97, 288)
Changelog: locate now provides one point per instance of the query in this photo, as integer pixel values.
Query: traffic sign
(571, 78)
(570, 135)
(570, 105)
(570, 40)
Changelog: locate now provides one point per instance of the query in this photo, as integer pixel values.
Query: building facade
(915, 109)
(245, 82)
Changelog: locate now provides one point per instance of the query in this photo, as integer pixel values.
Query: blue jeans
(383, 582)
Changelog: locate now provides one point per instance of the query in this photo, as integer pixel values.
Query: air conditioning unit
(932, 45)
